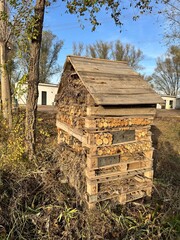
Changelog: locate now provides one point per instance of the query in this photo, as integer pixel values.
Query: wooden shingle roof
(113, 82)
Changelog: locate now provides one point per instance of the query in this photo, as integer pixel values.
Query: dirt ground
(45, 108)
(170, 113)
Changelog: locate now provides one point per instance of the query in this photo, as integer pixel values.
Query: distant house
(47, 93)
(178, 103)
(170, 102)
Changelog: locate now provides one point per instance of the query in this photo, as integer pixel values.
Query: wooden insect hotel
(105, 111)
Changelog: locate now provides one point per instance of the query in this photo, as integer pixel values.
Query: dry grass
(36, 202)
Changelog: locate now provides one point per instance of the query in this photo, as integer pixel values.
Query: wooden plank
(119, 174)
(114, 89)
(95, 146)
(104, 69)
(121, 168)
(125, 99)
(91, 188)
(124, 157)
(93, 161)
(145, 172)
(98, 63)
(109, 75)
(93, 86)
(113, 111)
(95, 60)
(74, 132)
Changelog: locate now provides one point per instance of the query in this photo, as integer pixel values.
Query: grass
(35, 202)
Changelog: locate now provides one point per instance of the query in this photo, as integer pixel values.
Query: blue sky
(146, 33)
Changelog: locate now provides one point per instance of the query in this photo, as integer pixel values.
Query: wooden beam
(73, 132)
(126, 99)
(148, 173)
(113, 111)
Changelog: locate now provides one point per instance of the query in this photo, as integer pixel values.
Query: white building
(170, 102)
(177, 103)
(47, 93)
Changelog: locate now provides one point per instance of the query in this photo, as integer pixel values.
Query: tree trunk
(5, 83)
(33, 78)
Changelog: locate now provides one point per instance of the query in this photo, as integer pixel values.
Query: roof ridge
(99, 59)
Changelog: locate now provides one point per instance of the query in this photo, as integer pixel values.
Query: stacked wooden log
(107, 151)
(119, 159)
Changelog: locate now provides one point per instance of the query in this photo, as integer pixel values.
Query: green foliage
(50, 48)
(90, 9)
(67, 215)
(12, 146)
(21, 12)
(35, 203)
(20, 88)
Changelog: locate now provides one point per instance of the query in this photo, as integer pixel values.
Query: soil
(171, 113)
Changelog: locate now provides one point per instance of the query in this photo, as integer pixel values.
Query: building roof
(48, 84)
(168, 96)
(112, 82)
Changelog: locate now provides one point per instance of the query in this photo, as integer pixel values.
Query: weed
(36, 204)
